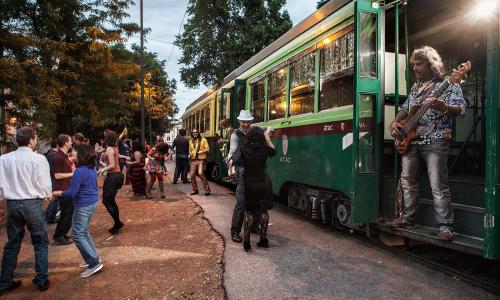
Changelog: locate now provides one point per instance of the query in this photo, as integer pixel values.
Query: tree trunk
(65, 121)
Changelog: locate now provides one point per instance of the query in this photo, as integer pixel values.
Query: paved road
(307, 261)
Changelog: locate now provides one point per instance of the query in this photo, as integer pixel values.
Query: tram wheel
(297, 198)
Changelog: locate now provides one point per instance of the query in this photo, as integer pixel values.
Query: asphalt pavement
(306, 261)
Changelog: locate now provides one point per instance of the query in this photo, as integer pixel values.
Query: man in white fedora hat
(238, 137)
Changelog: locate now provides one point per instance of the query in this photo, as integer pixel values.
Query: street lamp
(142, 76)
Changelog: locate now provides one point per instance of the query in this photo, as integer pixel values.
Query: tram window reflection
(302, 85)
(368, 45)
(337, 72)
(277, 94)
(258, 100)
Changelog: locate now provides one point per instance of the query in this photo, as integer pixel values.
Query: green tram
(330, 87)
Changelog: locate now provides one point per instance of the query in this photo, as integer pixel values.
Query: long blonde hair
(429, 54)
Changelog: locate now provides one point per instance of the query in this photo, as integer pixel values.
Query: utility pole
(142, 76)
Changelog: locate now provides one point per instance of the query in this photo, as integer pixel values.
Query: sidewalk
(306, 261)
(166, 250)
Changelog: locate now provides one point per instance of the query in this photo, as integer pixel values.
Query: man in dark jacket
(181, 146)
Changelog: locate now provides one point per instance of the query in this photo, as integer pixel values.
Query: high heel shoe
(264, 243)
(247, 246)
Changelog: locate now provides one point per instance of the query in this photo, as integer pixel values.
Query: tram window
(336, 73)
(207, 118)
(258, 100)
(302, 85)
(198, 123)
(202, 120)
(217, 112)
(277, 94)
(226, 109)
(368, 45)
(240, 98)
(366, 122)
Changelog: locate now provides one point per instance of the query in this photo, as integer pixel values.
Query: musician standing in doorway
(432, 143)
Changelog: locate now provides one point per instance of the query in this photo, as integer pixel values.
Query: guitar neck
(423, 109)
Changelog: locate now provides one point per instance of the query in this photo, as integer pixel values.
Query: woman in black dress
(258, 188)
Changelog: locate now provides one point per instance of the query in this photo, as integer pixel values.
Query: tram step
(426, 234)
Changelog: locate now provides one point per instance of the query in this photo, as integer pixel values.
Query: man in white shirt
(25, 182)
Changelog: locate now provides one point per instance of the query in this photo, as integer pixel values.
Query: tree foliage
(220, 35)
(65, 64)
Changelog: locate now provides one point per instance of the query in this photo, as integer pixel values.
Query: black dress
(258, 186)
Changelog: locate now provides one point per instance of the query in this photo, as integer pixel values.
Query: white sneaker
(92, 271)
(86, 265)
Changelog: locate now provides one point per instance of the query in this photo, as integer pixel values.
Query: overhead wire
(178, 32)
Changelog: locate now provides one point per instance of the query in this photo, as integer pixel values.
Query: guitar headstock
(457, 74)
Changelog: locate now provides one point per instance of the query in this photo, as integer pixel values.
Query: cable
(178, 32)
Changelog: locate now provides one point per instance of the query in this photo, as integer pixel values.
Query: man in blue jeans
(25, 183)
(434, 133)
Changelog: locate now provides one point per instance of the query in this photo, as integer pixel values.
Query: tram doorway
(449, 27)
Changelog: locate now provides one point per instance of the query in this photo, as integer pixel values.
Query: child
(154, 166)
(85, 196)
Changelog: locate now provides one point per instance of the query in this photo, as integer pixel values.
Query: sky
(164, 18)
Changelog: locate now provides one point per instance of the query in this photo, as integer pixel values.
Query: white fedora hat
(245, 116)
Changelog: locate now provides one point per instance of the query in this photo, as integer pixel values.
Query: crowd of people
(67, 176)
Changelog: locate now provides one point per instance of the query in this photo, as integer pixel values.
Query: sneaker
(62, 240)
(194, 193)
(445, 235)
(91, 271)
(86, 265)
(13, 285)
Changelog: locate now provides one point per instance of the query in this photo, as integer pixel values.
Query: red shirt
(61, 165)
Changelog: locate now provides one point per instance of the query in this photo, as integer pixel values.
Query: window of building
(277, 94)
(337, 72)
(302, 85)
(258, 100)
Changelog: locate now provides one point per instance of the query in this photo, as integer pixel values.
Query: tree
(220, 35)
(321, 3)
(67, 68)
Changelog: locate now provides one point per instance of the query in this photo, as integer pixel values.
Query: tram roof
(290, 35)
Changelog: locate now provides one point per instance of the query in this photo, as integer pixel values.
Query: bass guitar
(409, 124)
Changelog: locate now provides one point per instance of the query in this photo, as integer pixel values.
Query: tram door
(367, 121)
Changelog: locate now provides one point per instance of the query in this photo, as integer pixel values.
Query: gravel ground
(305, 261)
(167, 250)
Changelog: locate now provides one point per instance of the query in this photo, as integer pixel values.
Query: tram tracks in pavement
(487, 285)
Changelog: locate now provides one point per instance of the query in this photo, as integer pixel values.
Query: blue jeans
(81, 237)
(239, 207)
(435, 156)
(181, 167)
(27, 213)
(51, 211)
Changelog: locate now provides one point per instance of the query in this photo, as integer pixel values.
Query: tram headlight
(484, 9)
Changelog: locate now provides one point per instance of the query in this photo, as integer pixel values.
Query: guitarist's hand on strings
(395, 129)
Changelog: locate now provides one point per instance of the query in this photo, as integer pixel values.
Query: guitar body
(403, 143)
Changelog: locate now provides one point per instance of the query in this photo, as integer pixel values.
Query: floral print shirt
(434, 125)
